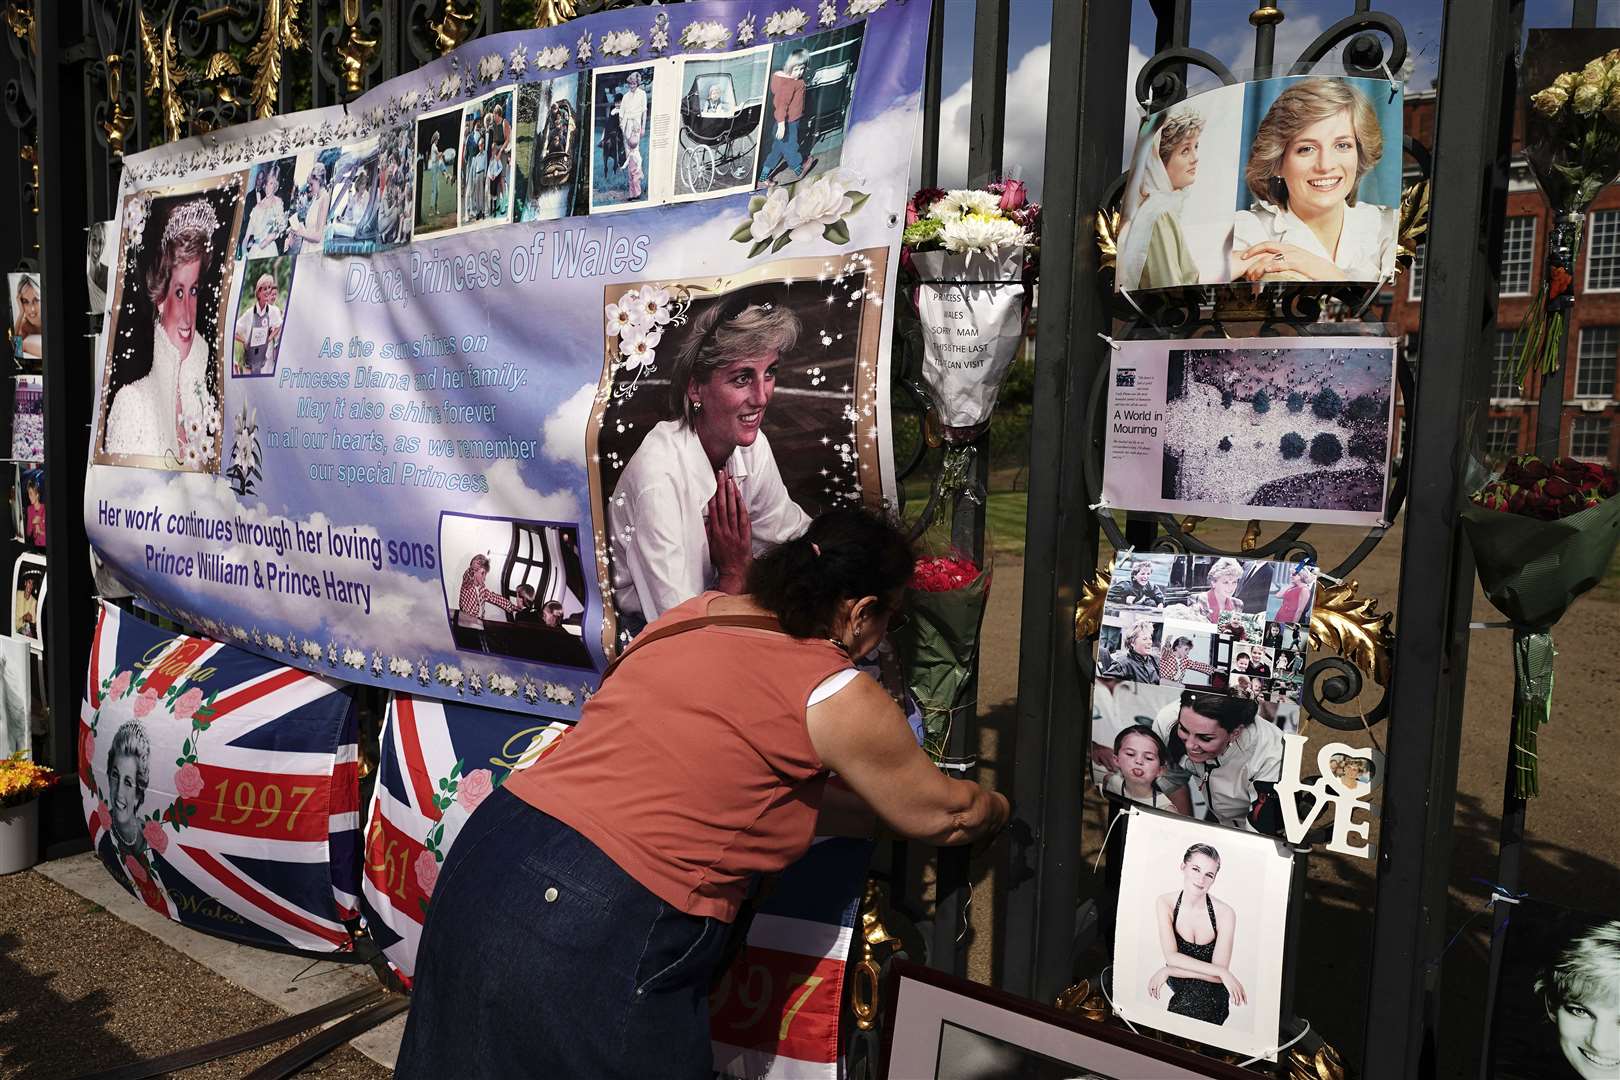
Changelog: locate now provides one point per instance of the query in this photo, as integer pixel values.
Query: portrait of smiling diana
(163, 374)
(730, 413)
(1321, 172)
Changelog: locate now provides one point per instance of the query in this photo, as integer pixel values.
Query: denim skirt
(541, 957)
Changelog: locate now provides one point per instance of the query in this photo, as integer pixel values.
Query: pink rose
(474, 789)
(1013, 194)
(89, 747)
(156, 838)
(188, 703)
(146, 702)
(136, 870)
(103, 818)
(427, 872)
(188, 781)
(120, 685)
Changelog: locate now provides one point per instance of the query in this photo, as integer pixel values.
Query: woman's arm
(860, 734)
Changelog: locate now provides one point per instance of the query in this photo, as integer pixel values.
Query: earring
(696, 405)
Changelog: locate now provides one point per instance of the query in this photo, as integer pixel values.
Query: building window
(1503, 384)
(1502, 437)
(1594, 367)
(1414, 280)
(1603, 251)
(1589, 438)
(1518, 255)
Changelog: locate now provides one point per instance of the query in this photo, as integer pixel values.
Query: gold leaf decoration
(220, 65)
(1189, 524)
(1251, 537)
(117, 126)
(1107, 222)
(863, 991)
(354, 49)
(549, 13)
(278, 33)
(165, 74)
(1353, 628)
(20, 18)
(454, 28)
(1414, 221)
(1088, 610)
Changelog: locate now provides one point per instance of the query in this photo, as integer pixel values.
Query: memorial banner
(221, 788)
(433, 392)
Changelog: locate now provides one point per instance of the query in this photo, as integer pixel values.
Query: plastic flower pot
(19, 836)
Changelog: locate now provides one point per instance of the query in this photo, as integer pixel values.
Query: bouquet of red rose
(940, 641)
(1543, 533)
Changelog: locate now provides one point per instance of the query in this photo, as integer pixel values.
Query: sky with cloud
(1220, 27)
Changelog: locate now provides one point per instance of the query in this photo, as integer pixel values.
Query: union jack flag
(437, 761)
(221, 788)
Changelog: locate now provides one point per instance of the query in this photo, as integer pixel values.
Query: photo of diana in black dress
(1196, 932)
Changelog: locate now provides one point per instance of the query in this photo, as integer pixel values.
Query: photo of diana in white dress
(169, 414)
(1153, 251)
(1306, 222)
(702, 495)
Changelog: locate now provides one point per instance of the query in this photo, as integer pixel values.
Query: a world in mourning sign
(434, 391)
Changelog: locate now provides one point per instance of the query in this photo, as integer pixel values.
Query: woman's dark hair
(1229, 712)
(845, 554)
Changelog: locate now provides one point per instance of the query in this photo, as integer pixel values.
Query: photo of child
(1139, 761)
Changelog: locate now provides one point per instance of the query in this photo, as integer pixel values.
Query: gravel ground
(82, 991)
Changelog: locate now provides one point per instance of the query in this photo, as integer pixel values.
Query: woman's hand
(1156, 983)
(731, 538)
(1272, 257)
(1233, 988)
(1103, 756)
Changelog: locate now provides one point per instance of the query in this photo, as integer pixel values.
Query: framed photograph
(28, 418)
(1199, 935)
(1241, 184)
(1281, 430)
(29, 503)
(16, 729)
(1557, 996)
(28, 600)
(947, 1028)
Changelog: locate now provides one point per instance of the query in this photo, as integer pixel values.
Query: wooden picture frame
(925, 1009)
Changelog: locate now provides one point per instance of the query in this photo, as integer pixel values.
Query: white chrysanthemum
(620, 43)
(449, 86)
(955, 204)
(771, 219)
(863, 7)
(354, 658)
(312, 649)
(551, 58)
(980, 232)
(819, 204)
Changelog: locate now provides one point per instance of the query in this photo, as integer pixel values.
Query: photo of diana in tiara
(162, 387)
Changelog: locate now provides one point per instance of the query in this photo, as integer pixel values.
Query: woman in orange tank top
(578, 920)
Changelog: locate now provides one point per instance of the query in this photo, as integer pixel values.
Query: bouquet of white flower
(972, 251)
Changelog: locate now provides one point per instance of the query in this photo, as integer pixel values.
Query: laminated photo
(28, 600)
(438, 194)
(626, 142)
(722, 105)
(488, 142)
(28, 418)
(1276, 429)
(550, 133)
(1287, 180)
(807, 111)
(266, 216)
(261, 312)
(27, 331)
(163, 378)
(1199, 935)
(1557, 1009)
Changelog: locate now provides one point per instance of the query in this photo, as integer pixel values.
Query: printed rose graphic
(146, 702)
(89, 747)
(136, 870)
(475, 788)
(103, 818)
(188, 781)
(120, 685)
(427, 872)
(156, 838)
(188, 703)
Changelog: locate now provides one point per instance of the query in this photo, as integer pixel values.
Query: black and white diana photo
(1198, 940)
(1252, 428)
(1557, 1011)
(28, 600)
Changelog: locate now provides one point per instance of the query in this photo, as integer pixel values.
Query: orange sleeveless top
(692, 767)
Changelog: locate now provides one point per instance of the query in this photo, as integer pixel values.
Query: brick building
(1593, 343)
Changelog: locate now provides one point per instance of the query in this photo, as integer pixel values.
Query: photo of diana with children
(1200, 666)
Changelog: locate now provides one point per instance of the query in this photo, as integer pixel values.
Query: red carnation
(1558, 283)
